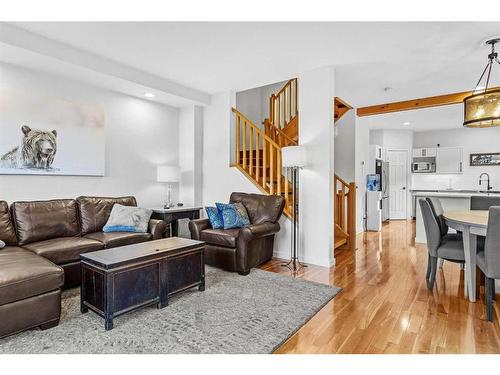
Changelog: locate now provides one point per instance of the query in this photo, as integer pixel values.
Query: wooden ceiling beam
(431, 101)
(340, 107)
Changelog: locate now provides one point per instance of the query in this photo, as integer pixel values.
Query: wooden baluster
(271, 167)
(290, 116)
(238, 140)
(271, 108)
(278, 169)
(244, 144)
(342, 208)
(257, 158)
(264, 164)
(278, 105)
(251, 154)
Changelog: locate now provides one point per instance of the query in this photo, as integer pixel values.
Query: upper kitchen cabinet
(449, 160)
(424, 152)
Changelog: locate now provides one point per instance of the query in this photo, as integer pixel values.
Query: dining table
(472, 223)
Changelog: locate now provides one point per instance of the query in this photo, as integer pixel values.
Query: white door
(398, 177)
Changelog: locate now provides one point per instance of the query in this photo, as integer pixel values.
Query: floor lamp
(294, 157)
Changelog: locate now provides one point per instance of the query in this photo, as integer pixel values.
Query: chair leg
(494, 293)
(428, 273)
(479, 281)
(432, 277)
(490, 289)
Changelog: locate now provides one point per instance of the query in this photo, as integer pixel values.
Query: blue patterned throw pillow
(215, 217)
(234, 215)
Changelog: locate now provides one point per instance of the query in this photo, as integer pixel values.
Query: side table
(172, 215)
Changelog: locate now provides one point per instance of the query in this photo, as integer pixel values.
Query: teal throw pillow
(234, 215)
(215, 217)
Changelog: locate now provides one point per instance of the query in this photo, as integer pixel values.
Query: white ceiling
(415, 59)
(424, 119)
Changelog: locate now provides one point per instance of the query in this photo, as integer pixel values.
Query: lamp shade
(482, 110)
(167, 173)
(293, 156)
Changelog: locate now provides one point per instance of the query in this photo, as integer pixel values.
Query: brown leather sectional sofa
(44, 241)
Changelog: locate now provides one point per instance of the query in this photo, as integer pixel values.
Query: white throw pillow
(2, 244)
(128, 219)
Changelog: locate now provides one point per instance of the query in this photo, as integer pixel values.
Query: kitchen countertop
(453, 193)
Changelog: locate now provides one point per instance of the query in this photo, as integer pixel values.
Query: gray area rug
(235, 314)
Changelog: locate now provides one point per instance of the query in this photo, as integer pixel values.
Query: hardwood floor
(385, 306)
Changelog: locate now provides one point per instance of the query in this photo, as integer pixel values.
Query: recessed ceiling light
(406, 123)
(149, 95)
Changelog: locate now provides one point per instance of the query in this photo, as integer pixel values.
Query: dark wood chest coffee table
(122, 279)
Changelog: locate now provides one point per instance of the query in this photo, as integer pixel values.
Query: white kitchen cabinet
(424, 152)
(449, 160)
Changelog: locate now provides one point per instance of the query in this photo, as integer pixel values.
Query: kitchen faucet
(487, 180)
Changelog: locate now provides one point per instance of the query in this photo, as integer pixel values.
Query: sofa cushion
(221, 237)
(95, 211)
(65, 249)
(42, 220)
(7, 233)
(261, 208)
(115, 239)
(24, 274)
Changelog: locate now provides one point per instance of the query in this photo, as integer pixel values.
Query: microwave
(423, 167)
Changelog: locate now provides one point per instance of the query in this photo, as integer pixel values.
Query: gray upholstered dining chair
(488, 261)
(437, 210)
(483, 203)
(450, 248)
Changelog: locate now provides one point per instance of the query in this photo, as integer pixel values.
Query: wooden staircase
(345, 213)
(259, 158)
(282, 126)
(258, 150)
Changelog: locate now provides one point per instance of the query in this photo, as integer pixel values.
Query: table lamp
(168, 174)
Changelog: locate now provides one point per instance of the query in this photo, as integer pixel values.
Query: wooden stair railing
(258, 156)
(278, 135)
(283, 113)
(345, 213)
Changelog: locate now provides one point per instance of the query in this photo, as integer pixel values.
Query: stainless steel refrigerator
(382, 169)
(384, 178)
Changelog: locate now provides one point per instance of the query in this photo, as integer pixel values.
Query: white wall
(361, 168)
(472, 141)
(191, 155)
(139, 136)
(316, 131)
(345, 146)
(254, 103)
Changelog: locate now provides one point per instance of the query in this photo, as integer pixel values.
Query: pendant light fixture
(482, 108)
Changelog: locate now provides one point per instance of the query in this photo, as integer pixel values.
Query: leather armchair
(241, 249)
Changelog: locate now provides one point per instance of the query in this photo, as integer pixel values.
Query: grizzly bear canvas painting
(46, 135)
